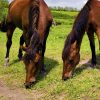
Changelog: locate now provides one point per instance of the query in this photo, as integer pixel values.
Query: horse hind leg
(8, 43)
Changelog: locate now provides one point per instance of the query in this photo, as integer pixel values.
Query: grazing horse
(35, 19)
(87, 20)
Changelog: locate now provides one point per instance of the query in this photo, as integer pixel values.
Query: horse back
(95, 13)
(18, 13)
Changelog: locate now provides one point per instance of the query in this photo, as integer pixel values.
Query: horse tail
(3, 25)
(33, 17)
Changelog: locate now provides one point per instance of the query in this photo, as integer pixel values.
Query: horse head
(32, 59)
(71, 58)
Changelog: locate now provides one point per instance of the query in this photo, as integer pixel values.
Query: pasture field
(85, 85)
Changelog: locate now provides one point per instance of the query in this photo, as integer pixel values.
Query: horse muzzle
(29, 85)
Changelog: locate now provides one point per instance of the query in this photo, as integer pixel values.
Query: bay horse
(35, 19)
(88, 20)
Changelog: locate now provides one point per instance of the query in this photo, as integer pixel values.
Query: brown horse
(87, 20)
(35, 19)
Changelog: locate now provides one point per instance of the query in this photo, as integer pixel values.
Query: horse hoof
(6, 62)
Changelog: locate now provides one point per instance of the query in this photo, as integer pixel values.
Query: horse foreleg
(92, 45)
(20, 54)
(98, 35)
(43, 70)
(22, 48)
(8, 44)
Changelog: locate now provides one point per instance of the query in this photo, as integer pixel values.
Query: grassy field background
(85, 85)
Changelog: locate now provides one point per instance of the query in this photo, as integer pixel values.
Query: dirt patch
(16, 94)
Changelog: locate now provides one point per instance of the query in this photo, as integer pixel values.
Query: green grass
(85, 85)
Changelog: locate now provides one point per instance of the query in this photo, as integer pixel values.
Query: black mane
(35, 46)
(80, 23)
(33, 35)
(78, 29)
(33, 17)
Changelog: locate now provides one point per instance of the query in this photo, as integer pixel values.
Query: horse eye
(71, 61)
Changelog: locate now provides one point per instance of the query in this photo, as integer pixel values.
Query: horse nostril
(65, 78)
(27, 86)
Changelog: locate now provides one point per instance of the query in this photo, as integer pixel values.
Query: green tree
(3, 8)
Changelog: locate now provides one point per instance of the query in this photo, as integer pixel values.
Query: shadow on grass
(49, 65)
(87, 65)
(14, 62)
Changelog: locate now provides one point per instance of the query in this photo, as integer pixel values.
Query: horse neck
(80, 25)
(76, 37)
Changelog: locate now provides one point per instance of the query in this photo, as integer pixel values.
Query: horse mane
(33, 35)
(34, 47)
(33, 16)
(78, 29)
(80, 23)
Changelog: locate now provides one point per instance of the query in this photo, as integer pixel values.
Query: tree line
(64, 8)
(3, 8)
